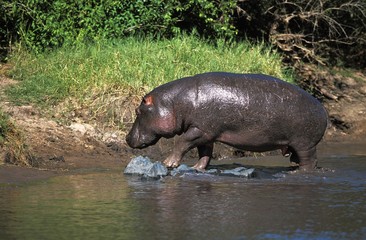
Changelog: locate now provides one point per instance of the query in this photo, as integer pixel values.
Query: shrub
(43, 24)
(320, 31)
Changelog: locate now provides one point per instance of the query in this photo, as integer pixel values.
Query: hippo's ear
(148, 100)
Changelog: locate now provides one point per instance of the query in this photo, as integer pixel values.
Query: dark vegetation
(322, 31)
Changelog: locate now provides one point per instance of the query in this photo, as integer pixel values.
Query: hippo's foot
(171, 162)
(306, 160)
(202, 164)
(205, 154)
(309, 165)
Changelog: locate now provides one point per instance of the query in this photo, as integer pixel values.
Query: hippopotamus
(252, 112)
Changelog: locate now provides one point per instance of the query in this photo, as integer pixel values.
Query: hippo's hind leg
(305, 158)
(205, 154)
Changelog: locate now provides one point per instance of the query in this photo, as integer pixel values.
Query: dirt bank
(61, 148)
(343, 93)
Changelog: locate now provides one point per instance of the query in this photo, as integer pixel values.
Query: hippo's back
(261, 93)
(248, 103)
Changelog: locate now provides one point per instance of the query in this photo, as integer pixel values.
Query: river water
(105, 204)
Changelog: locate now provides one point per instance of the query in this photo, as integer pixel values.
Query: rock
(143, 166)
(239, 171)
(110, 137)
(156, 170)
(350, 82)
(138, 165)
(82, 128)
(363, 90)
(212, 171)
(182, 169)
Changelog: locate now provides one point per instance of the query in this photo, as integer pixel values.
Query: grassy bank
(134, 63)
(97, 75)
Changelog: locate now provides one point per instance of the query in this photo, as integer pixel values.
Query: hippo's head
(153, 121)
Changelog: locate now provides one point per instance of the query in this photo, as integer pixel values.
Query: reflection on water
(322, 205)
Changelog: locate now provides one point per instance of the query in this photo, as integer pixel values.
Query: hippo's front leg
(188, 140)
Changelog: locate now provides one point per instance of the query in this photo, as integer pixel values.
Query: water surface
(326, 204)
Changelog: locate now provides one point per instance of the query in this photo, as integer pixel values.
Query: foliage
(322, 31)
(8, 28)
(214, 19)
(44, 24)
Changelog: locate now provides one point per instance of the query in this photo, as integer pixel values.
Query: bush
(54, 23)
(319, 31)
(43, 24)
(8, 27)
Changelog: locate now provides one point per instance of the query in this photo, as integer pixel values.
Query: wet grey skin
(252, 112)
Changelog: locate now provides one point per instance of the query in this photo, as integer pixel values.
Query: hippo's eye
(137, 111)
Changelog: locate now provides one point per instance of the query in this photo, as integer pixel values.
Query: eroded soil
(344, 97)
(60, 148)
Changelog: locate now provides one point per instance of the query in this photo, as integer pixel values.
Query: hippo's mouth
(137, 145)
(144, 145)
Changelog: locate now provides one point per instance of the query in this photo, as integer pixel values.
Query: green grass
(85, 71)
